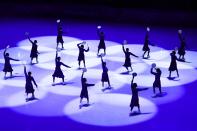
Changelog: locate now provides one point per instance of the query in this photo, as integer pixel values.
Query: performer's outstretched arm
(66, 65)
(133, 54)
(25, 72)
(123, 48)
(34, 82)
(30, 39)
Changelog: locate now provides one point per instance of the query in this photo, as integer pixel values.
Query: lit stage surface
(57, 107)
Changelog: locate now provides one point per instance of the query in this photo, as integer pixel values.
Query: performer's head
(82, 46)
(104, 63)
(7, 54)
(84, 80)
(35, 41)
(127, 49)
(180, 31)
(158, 70)
(134, 85)
(58, 58)
(29, 73)
(173, 52)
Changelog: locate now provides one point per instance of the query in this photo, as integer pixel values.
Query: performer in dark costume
(59, 34)
(181, 49)
(127, 58)
(135, 98)
(84, 90)
(102, 41)
(173, 64)
(81, 56)
(146, 44)
(157, 82)
(105, 77)
(29, 86)
(58, 72)
(34, 50)
(7, 65)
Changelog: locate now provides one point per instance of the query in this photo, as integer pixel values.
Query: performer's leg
(170, 73)
(33, 96)
(62, 45)
(132, 108)
(144, 54)
(5, 74)
(63, 79)
(53, 79)
(88, 100)
(84, 63)
(11, 74)
(105, 51)
(31, 59)
(81, 99)
(160, 90)
(183, 57)
(131, 68)
(98, 51)
(177, 72)
(109, 83)
(179, 57)
(148, 53)
(36, 59)
(57, 44)
(138, 108)
(154, 89)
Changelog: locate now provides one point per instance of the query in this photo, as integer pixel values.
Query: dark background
(165, 12)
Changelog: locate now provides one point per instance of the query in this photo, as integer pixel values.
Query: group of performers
(105, 78)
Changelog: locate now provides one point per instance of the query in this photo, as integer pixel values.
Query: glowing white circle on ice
(187, 76)
(166, 64)
(40, 48)
(135, 49)
(190, 58)
(137, 67)
(19, 98)
(59, 88)
(13, 82)
(13, 53)
(72, 62)
(74, 108)
(18, 72)
(48, 41)
(111, 110)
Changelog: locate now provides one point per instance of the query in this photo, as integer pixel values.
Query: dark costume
(81, 56)
(60, 34)
(102, 40)
(29, 86)
(58, 72)
(157, 82)
(173, 65)
(34, 49)
(84, 90)
(146, 43)
(181, 49)
(105, 77)
(135, 98)
(127, 62)
(7, 65)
